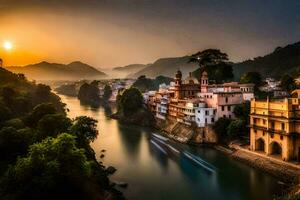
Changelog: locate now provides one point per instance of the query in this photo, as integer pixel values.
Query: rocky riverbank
(186, 134)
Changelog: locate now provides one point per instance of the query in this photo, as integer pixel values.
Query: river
(157, 168)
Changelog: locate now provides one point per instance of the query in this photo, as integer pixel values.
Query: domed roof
(191, 80)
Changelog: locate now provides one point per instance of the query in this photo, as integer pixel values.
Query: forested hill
(43, 153)
(282, 60)
(56, 71)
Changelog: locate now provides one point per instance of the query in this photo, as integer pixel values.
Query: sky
(110, 33)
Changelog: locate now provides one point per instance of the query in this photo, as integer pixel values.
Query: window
(223, 108)
(229, 116)
(281, 137)
(229, 108)
(272, 135)
(212, 120)
(282, 126)
(199, 111)
(264, 121)
(264, 133)
(255, 131)
(224, 116)
(206, 112)
(226, 99)
(272, 125)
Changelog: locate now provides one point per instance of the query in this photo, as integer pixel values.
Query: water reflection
(131, 140)
(152, 174)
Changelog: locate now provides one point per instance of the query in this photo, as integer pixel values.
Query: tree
(236, 128)
(42, 93)
(287, 83)
(221, 125)
(242, 111)
(107, 92)
(5, 113)
(215, 63)
(52, 125)
(85, 128)
(89, 93)
(144, 84)
(14, 142)
(209, 57)
(8, 94)
(252, 77)
(54, 168)
(38, 112)
(130, 101)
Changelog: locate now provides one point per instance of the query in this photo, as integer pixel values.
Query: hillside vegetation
(43, 153)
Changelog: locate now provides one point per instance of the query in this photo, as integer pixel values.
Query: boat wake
(196, 159)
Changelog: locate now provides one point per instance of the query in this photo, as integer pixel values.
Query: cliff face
(186, 134)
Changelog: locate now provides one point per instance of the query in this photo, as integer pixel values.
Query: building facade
(275, 127)
(193, 100)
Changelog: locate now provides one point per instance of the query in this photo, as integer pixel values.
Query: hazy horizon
(114, 33)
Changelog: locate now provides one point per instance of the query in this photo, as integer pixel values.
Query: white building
(204, 115)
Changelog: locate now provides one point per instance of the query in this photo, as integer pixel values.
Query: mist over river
(157, 168)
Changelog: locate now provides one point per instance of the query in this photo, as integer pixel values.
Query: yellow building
(275, 127)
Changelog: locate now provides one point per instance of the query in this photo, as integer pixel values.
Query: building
(193, 100)
(205, 115)
(275, 127)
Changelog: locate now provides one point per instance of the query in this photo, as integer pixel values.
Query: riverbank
(186, 133)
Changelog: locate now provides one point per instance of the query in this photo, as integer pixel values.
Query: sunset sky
(109, 33)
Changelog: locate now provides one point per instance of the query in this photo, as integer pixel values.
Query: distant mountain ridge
(275, 64)
(56, 71)
(167, 67)
(131, 68)
(128, 70)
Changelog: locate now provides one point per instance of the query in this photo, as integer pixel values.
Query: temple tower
(178, 82)
(204, 81)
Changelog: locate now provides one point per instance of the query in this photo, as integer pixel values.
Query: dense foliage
(89, 93)
(215, 63)
(131, 108)
(228, 128)
(44, 154)
(145, 84)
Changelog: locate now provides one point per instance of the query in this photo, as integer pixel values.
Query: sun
(7, 45)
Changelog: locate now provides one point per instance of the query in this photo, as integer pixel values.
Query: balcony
(259, 127)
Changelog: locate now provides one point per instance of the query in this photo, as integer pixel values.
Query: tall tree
(215, 63)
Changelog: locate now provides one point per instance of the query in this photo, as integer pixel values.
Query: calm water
(156, 168)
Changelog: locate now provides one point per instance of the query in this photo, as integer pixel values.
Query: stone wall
(187, 134)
